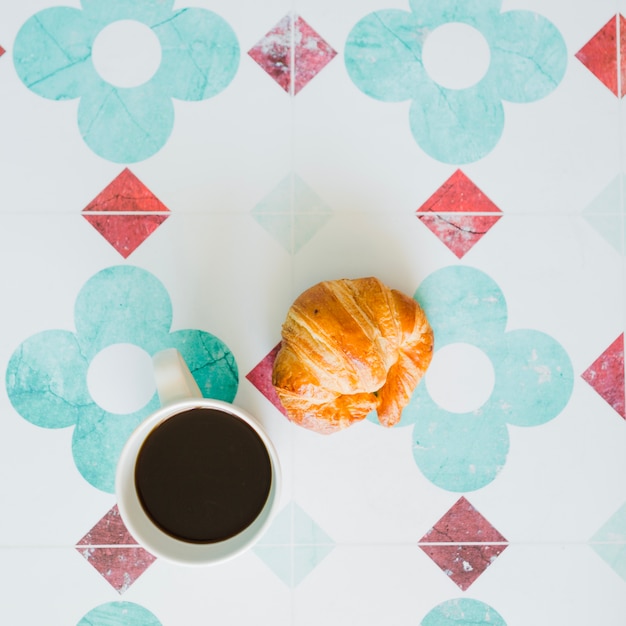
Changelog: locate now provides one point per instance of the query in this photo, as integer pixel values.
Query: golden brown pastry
(348, 347)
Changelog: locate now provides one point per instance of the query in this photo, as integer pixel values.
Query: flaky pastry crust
(349, 347)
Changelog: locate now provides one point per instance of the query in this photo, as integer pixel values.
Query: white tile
(53, 586)
(568, 584)
(237, 591)
(370, 585)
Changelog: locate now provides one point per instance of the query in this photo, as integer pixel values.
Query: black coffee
(203, 475)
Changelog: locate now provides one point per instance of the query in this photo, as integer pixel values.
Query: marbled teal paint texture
(463, 612)
(47, 374)
(383, 56)
(463, 452)
(119, 614)
(53, 57)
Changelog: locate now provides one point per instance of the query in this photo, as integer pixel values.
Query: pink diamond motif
(126, 213)
(459, 213)
(463, 544)
(113, 552)
(606, 376)
(261, 377)
(292, 71)
(602, 56)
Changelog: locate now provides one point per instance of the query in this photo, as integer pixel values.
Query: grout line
(419, 544)
(292, 140)
(337, 211)
(292, 207)
(365, 545)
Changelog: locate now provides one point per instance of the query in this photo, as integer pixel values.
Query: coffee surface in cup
(203, 475)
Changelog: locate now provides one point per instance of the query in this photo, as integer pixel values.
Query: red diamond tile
(602, 56)
(463, 544)
(261, 377)
(110, 530)
(458, 195)
(113, 552)
(126, 213)
(459, 234)
(120, 567)
(292, 70)
(463, 564)
(125, 232)
(459, 213)
(462, 524)
(2, 51)
(606, 376)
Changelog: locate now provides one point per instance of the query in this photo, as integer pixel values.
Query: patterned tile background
(175, 174)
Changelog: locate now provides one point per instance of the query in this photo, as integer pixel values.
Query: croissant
(349, 347)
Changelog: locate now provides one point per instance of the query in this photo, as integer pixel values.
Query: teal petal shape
(53, 57)
(98, 439)
(610, 542)
(458, 452)
(383, 55)
(463, 612)
(200, 54)
(463, 305)
(119, 614)
(122, 304)
(99, 435)
(438, 12)
(45, 379)
(210, 361)
(457, 125)
(534, 378)
(47, 374)
(52, 53)
(533, 381)
(148, 11)
(126, 125)
(528, 56)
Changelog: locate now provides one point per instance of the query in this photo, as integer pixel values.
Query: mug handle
(174, 381)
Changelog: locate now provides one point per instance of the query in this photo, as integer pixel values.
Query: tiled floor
(173, 174)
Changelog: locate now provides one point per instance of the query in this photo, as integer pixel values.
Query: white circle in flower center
(460, 378)
(456, 55)
(126, 53)
(120, 378)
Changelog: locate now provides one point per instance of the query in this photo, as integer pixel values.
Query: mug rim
(151, 537)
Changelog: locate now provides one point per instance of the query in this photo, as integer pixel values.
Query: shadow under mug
(179, 396)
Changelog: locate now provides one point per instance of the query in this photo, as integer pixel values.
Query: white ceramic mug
(179, 393)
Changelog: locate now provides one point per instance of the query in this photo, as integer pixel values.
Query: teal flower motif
(119, 614)
(46, 377)
(464, 451)
(53, 57)
(384, 58)
(463, 612)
